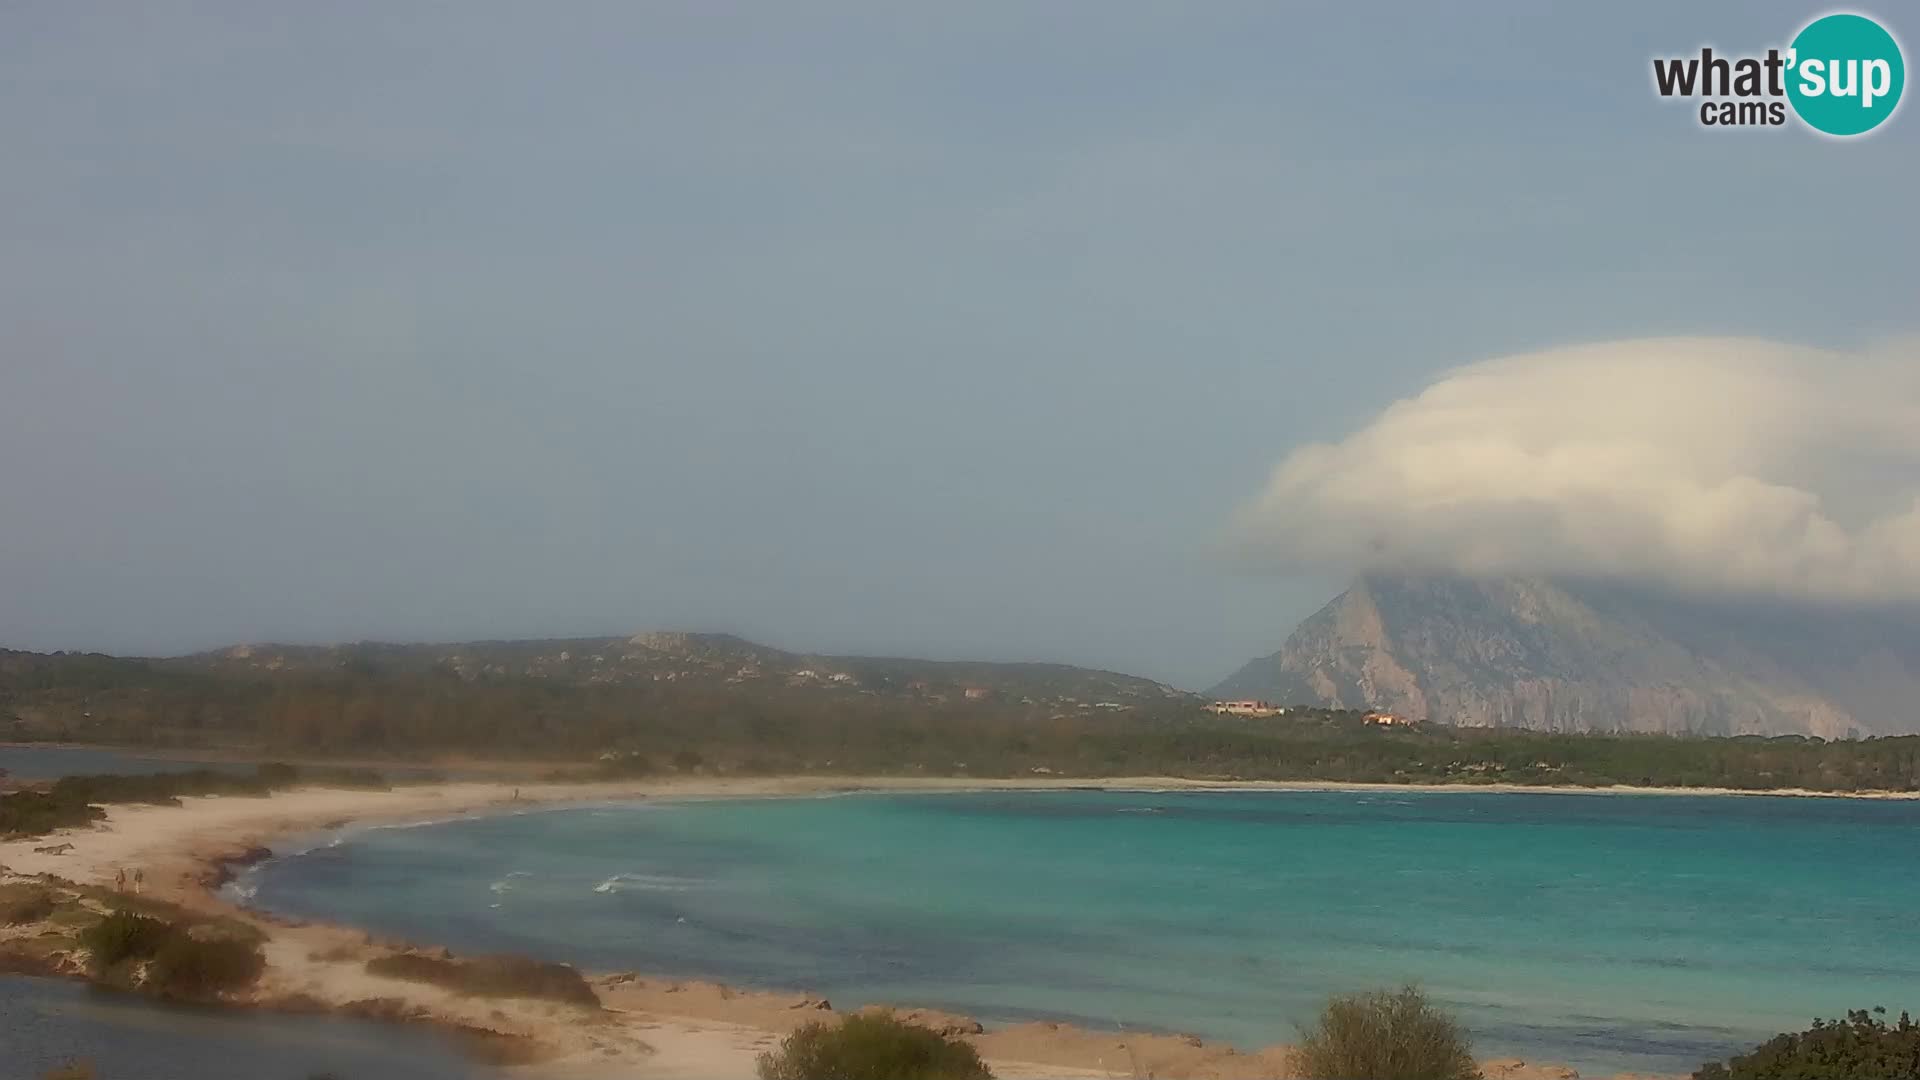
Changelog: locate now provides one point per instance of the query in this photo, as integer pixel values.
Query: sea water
(1644, 932)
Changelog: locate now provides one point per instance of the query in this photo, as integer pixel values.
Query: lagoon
(51, 1022)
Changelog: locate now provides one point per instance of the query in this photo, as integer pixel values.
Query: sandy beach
(650, 1027)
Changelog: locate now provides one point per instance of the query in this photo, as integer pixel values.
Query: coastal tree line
(364, 710)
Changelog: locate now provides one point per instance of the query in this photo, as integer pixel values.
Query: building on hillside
(977, 693)
(1246, 708)
(1387, 719)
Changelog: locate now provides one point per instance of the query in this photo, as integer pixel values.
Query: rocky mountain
(1588, 656)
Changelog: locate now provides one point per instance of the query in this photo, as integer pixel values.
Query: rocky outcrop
(224, 868)
(1584, 656)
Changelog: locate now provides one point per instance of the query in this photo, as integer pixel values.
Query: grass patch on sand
(490, 976)
(26, 902)
(193, 969)
(72, 801)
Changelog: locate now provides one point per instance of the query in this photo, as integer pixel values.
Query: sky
(978, 330)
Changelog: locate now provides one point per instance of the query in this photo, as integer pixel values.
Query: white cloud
(1710, 463)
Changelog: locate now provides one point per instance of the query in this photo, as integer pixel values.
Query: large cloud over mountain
(1714, 463)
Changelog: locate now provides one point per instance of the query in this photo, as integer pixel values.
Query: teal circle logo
(1845, 74)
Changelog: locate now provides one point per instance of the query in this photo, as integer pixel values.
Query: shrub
(122, 935)
(33, 813)
(25, 904)
(186, 967)
(1861, 1047)
(277, 774)
(490, 976)
(872, 1047)
(1386, 1036)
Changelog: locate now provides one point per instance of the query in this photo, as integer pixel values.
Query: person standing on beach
(120, 879)
(139, 880)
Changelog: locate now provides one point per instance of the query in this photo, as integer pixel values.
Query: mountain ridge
(653, 655)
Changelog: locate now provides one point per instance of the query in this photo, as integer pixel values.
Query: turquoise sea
(1607, 931)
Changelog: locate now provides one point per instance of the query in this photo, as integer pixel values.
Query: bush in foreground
(1386, 1036)
(872, 1047)
(1861, 1047)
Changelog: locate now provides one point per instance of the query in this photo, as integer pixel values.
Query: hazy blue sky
(957, 330)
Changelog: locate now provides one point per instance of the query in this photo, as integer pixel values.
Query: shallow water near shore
(1612, 932)
(50, 1022)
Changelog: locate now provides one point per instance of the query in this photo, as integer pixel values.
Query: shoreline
(677, 1028)
(542, 775)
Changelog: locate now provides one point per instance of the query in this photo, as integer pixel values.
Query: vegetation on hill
(699, 717)
(1861, 1047)
(872, 1046)
(1383, 1035)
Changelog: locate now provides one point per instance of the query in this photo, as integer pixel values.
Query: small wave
(383, 826)
(1141, 810)
(645, 883)
(505, 884)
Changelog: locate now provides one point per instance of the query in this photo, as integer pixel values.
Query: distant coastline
(581, 775)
